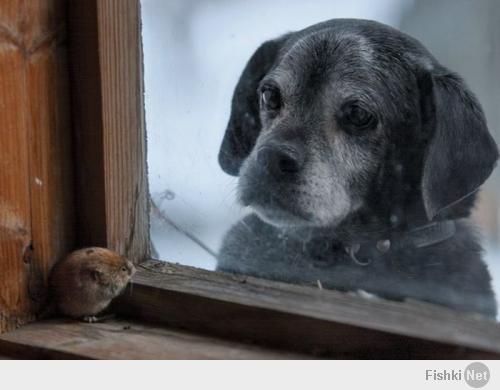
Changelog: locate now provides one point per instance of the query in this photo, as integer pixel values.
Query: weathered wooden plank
(120, 46)
(109, 125)
(36, 224)
(120, 339)
(335, 323)
(50, 153)
(15, 224)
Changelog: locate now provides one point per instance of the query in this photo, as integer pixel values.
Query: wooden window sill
(178, 312)
(322, 322)
(122, 339)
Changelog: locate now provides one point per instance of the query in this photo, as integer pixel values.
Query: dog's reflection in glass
(360, 157)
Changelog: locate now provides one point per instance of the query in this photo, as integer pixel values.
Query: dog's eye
(271, 98)
(355, 116)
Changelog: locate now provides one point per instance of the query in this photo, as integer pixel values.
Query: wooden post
(36, 197)
(108, 120)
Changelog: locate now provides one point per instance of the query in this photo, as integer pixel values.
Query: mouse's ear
(244, 123)
(461, 153)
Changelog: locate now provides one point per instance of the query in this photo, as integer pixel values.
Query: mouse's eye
(271, 98)
(124, 269)
(356, 117)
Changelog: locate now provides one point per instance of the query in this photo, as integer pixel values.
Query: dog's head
(352, 114)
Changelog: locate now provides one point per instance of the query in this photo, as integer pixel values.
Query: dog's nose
(280, 161)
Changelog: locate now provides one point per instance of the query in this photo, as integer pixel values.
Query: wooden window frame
(112, 210)
(36, 171)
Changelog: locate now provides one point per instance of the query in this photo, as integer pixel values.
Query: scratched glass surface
(305, 191)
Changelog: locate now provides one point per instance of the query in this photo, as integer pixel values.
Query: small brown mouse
(84, 283)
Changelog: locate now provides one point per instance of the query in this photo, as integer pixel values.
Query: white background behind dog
(194, 52)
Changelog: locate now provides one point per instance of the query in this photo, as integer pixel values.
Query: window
(294, 224)
(111, 201)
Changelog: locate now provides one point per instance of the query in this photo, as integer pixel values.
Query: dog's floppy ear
(461, 153)
(244, 123)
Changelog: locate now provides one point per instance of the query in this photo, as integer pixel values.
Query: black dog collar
(362, 253)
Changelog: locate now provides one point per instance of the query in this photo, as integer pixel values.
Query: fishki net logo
(476, 375)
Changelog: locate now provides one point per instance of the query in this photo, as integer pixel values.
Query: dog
(360, 157)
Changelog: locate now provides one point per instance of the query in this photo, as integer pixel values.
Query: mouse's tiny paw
(99, 318)
(90, 319)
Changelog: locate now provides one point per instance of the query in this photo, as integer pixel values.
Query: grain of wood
(124, 128)
(109, 120)
(305, 318)
(121, 339)
(36, 222)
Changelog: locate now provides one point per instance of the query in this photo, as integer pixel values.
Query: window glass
(345, 156)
